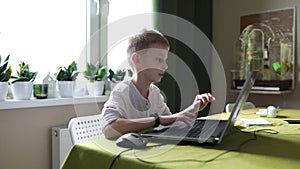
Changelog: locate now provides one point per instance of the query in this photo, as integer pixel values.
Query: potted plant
(95, 74)
(22, 86)
(117, 77)
(5, 74)
(66, 77)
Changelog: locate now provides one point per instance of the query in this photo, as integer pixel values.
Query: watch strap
(157, 120)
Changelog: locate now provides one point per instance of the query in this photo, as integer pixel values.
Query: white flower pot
(3, 90)
(113, 85)
(22, 90)
(98, 87)
(66, 88)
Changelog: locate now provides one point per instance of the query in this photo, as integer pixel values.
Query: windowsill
(32, 103)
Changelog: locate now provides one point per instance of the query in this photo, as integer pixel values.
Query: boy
(136, 105)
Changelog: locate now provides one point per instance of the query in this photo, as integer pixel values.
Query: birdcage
(265, 49)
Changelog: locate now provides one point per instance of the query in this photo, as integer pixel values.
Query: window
(44, 34)
(117, 10)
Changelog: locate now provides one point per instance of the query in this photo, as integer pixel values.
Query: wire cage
(266, 49)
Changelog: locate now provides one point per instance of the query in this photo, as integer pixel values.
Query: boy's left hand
(201, 101)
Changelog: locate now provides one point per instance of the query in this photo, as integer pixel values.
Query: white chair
(247, 105)
(85, 128)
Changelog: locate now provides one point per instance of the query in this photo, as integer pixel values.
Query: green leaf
(111, 75)
(67, 74)
(5, 73)
(130, 73)
(3, 67)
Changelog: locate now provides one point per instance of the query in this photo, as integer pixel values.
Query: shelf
(32, 103)
(265, 92)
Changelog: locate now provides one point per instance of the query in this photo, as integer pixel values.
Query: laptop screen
(240, 101)
(243, 95)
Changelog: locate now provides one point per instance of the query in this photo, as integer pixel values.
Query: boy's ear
(135, 59)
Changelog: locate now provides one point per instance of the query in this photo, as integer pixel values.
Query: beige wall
(226, 30)
(25, 140)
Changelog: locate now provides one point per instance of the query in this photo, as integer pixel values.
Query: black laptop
(202, 130)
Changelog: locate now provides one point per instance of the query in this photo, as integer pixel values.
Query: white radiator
(61, 145)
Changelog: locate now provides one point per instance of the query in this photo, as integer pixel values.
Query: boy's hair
(144, 40)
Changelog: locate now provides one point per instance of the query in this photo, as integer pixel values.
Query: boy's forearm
(122, 126)
(167, 119)
(190, 109)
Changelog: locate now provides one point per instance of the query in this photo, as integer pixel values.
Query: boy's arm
(121, 126)
(200, 102)
(190, 113)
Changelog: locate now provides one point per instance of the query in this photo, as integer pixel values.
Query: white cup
(272, 111)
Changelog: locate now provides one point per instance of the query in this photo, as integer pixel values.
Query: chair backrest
(247, 105)
(85, 128)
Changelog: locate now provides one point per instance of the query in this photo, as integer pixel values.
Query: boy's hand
(189, 114)
(201, 101)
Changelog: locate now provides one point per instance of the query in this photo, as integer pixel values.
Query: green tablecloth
(267, 151)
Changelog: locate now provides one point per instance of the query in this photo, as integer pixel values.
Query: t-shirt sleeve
(112, 109)
(162, 107)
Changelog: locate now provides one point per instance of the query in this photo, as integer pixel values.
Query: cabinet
(283, 93)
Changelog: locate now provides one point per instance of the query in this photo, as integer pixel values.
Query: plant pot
(66, 88)
(98, 87)
(22, 90)
(3, 90)
(114, 84)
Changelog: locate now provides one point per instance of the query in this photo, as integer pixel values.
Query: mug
(272, 111)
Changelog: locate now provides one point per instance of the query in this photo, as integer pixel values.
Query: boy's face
(153, 62)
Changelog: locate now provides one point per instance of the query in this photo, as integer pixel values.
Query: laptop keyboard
(196, 129)
(203, 128)
(207, 128)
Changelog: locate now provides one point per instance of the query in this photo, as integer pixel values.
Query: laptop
(202, 131)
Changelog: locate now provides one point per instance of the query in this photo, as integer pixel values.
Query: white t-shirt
(125, 101)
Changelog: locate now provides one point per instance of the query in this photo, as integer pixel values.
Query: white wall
(226, 30)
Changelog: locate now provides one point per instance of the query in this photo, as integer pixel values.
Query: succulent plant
(119, 75)
(24, 74)
(5, 70)
(67, 74)
(94, 72)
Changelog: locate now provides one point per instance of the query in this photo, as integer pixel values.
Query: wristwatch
(157, 120)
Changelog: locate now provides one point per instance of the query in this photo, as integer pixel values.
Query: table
(267, 151)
